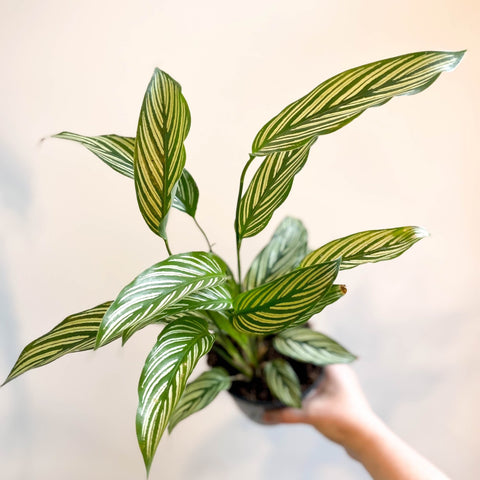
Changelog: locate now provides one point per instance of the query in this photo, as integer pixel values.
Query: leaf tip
(343, 289)
(420, 232)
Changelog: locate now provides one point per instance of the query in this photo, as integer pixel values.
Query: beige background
(72, 235)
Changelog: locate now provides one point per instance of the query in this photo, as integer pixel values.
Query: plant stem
(237, 233)
(167, 246)
(204, 234)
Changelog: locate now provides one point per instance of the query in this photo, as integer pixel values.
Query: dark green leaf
(342, 98)
(159, 155)
(273, 306)
(179, 347)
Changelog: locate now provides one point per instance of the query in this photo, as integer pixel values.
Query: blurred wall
(72, 236)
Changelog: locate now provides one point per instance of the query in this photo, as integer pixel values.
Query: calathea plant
(255, 324)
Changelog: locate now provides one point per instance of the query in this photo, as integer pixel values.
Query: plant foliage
(193, 295)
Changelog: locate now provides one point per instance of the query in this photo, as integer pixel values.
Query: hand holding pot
(339, 410)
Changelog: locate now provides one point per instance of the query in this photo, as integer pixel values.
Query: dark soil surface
(256, 390)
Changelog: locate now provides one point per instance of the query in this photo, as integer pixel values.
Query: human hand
(337, 408)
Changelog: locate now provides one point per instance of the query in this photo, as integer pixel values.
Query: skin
(339, 410)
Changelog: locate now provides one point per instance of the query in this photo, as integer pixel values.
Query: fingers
(285, 415)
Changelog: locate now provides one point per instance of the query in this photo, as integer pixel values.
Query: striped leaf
(214, 298)
(75, 334)
(150, 295)
(117, 153)
(114, 150)
(159, 155)
(186, 194)
(179, 347)
(269, 188)
(283, 382)
(342, 98)
(367, 247)
(308, 346)
(282, 254)
(334, 293)
(200, 393)
(272, 307)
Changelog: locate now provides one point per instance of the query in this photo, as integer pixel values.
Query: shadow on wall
(15, 201)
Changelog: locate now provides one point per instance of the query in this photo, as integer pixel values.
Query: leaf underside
(309, 346)
(283, 382)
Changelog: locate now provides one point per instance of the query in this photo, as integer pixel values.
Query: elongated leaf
(117, 153)
(75, 334)
(269, 188)
(334, 293)
(179, 347)
(157, 289)
(283, 253)
(283, 382)
(213, 298)
(308, 346)
(273, 306)
(114, 150)
(200, 393)
(159, 155)
(342, 98)
(367, 247)
(186, 194)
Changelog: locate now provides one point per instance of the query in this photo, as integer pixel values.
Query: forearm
(386, 457)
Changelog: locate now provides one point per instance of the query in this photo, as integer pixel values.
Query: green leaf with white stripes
(286, 249)
(367, 247)
(117, 153)
(186, 194)
(269, 188)
(342, 98)
(150, 295)
(200, 393)
(283, 382)
(114, 150)
(309, 346)
(159, 155)
(76, 333)
(212, 298)
(334, 293)
(179, 347)
(274, 306)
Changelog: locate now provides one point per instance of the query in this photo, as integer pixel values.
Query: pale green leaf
(367, 247)
(200, 393)
(334, 293)
(272, 307)
(159, 155)
(269, 188)
(150, 295)
(342, 98)
(76, 333)
(117, 153)
(179, 347)
(282, 254)
(283, 382)
(114, 150)
(306, 345)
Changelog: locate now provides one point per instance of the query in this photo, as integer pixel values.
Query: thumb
(285, 415)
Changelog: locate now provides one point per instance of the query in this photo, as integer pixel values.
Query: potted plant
(254, 326)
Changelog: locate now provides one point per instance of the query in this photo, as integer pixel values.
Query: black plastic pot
(255, 409)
